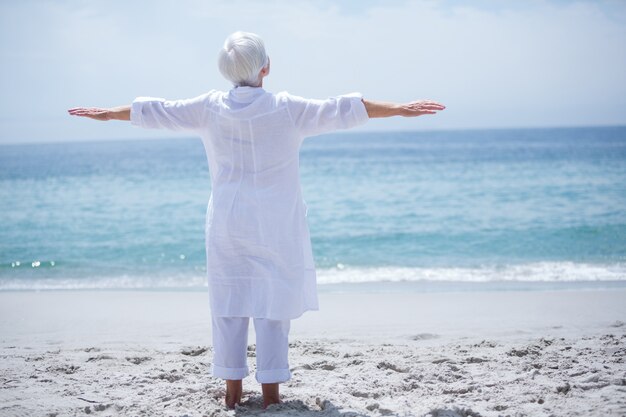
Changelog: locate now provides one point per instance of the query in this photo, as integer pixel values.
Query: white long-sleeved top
(258, 248)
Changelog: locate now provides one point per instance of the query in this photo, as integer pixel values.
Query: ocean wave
(530, 272)
(550, 272)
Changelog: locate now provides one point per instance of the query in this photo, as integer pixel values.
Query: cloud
(494, 64)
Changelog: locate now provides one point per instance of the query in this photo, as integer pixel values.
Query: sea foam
(540, 272)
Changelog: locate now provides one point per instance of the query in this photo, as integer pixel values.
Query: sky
(494, 64)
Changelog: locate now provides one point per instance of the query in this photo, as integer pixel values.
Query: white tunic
(258, 248)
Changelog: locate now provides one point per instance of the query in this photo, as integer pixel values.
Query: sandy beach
(472, 353)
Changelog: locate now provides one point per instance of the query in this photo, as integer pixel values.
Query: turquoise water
(493, 206)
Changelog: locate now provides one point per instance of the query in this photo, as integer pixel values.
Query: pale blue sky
(493, 63)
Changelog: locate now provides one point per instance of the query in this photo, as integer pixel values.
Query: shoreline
(415, 286)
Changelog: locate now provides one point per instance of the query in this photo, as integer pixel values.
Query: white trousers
(230, 348)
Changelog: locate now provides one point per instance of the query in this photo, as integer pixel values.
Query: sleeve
(159, 113)
(314, 117)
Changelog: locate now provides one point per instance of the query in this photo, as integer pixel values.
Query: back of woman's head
(242, 58)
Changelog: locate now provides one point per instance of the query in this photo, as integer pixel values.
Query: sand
(481, 353)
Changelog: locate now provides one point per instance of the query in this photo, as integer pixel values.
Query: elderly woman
(258, 249)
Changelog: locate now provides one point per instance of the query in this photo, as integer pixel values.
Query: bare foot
(270, 394)
(233, 392)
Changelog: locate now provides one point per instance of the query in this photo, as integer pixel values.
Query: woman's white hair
(242, 58)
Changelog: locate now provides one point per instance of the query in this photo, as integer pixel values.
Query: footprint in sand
(486, 343)
(424, 336)
(474, 359)
(199, 350)
(377, 407)
(324, 365)
(100, 358)
(92, 349)
(316, 365)
(361, 394)
(169, 377)
(391, 366)
(65, 369)
(454, 412)
(530, 350)
(136, 360)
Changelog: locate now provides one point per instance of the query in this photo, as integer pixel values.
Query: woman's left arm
(102, 114)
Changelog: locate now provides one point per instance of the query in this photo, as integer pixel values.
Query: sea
(459, 210)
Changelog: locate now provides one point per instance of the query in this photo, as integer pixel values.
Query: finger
(426, 106)
(88, 111)
(92, 109)
(431, 103)
(425, 109)
(432, 107)
(93, 115)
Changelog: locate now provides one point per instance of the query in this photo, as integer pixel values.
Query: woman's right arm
(377, 109)
(102, 114)
(154, 113)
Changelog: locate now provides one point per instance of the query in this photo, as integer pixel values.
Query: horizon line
(340, 132)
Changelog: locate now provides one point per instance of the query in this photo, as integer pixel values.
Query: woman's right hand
(102, 114)
(96, 113)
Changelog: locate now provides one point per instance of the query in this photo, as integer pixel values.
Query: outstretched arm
(415, 108)
(155, 113)
(97, 113)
